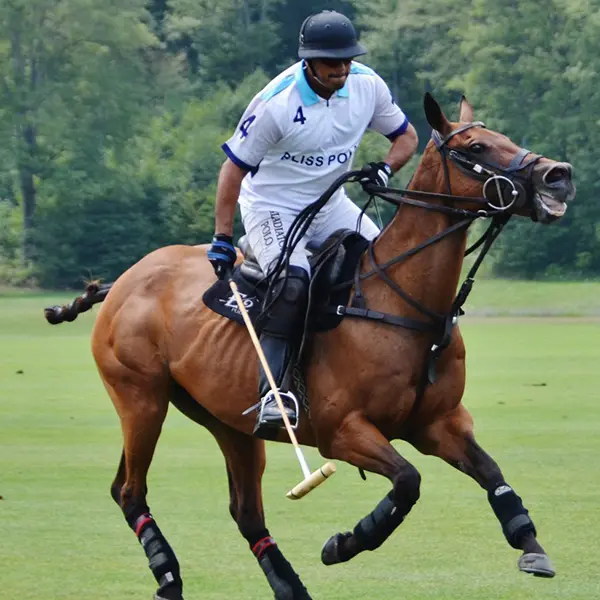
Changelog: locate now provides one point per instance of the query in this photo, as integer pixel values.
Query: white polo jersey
(296, 144)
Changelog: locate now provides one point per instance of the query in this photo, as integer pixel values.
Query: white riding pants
(266, 231)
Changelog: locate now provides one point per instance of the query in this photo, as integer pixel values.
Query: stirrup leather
(269, 398)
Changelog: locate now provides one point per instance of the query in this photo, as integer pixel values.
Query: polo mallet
(311, 481)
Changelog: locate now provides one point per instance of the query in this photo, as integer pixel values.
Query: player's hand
(222, 255)
(376, 173)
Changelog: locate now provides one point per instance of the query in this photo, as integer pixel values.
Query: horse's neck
(431, 276)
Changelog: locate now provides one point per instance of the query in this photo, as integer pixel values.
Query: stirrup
(275, 419)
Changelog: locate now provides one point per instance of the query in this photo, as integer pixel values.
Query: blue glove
(376, 173)
(222, 255)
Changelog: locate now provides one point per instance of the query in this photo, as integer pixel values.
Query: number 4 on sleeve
(246, 125)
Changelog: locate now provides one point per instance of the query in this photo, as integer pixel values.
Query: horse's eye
(477, 148)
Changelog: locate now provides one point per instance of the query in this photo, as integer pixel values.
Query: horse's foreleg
(245, 458)
(142, 409)
(451, 438)
(361, 444)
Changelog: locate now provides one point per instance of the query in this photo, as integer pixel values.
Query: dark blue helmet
(329, 34)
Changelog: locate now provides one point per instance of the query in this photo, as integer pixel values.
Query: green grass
(534, 298)
(533, 391)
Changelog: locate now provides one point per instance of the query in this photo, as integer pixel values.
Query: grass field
(532, 388)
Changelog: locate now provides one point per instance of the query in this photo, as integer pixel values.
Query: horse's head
(478, 162)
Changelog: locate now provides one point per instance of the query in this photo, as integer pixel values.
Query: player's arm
(256, 133)
(253, 137)
(389, 120)
(228, 192)
(403, 147)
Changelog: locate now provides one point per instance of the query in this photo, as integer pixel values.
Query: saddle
(333, 265)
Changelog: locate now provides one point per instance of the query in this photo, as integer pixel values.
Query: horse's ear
(466, 111)
(435, 116)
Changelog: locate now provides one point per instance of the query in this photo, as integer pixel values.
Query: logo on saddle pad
(231, 304)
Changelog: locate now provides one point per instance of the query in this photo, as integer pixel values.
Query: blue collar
(307, 94)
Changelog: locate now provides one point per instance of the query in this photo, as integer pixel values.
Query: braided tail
(94, 293)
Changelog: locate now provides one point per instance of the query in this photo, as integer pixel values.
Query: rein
(518, 191)
(491, 173)
(513, 188)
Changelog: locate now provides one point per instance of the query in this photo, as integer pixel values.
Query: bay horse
(155, 342)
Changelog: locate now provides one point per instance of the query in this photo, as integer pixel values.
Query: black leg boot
(278, 343)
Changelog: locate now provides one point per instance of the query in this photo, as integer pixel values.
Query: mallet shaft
(311, 481)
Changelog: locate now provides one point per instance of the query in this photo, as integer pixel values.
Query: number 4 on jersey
(299, 118)
(246, 125)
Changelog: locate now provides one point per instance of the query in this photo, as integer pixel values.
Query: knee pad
(293, 285)
(290, 294)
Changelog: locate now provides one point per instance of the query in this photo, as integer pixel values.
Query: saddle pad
(221, 300)
(322, 315)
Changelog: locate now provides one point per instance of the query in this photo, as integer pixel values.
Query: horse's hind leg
(451, 438)
(142, 407)
(245, 459)
(361, 444)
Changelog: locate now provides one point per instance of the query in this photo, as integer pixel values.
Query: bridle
(513, 184)
(514, 188)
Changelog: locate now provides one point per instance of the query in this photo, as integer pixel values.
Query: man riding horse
(297, 136)
(155, 345)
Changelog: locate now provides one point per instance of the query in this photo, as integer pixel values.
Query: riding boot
(278, 340)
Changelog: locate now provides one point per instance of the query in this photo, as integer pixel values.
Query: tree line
(112, 114)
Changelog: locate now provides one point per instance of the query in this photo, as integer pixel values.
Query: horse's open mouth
(548, 208)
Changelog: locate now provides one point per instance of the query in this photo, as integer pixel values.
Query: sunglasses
(332, 63)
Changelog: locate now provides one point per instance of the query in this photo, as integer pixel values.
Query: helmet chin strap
(314, 74)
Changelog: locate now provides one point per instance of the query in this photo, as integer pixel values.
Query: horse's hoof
(170, 595)
(537, 564)
(331, 553)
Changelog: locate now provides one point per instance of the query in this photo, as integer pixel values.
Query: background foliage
(112, 114)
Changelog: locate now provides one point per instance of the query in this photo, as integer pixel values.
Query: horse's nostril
(557, 174)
